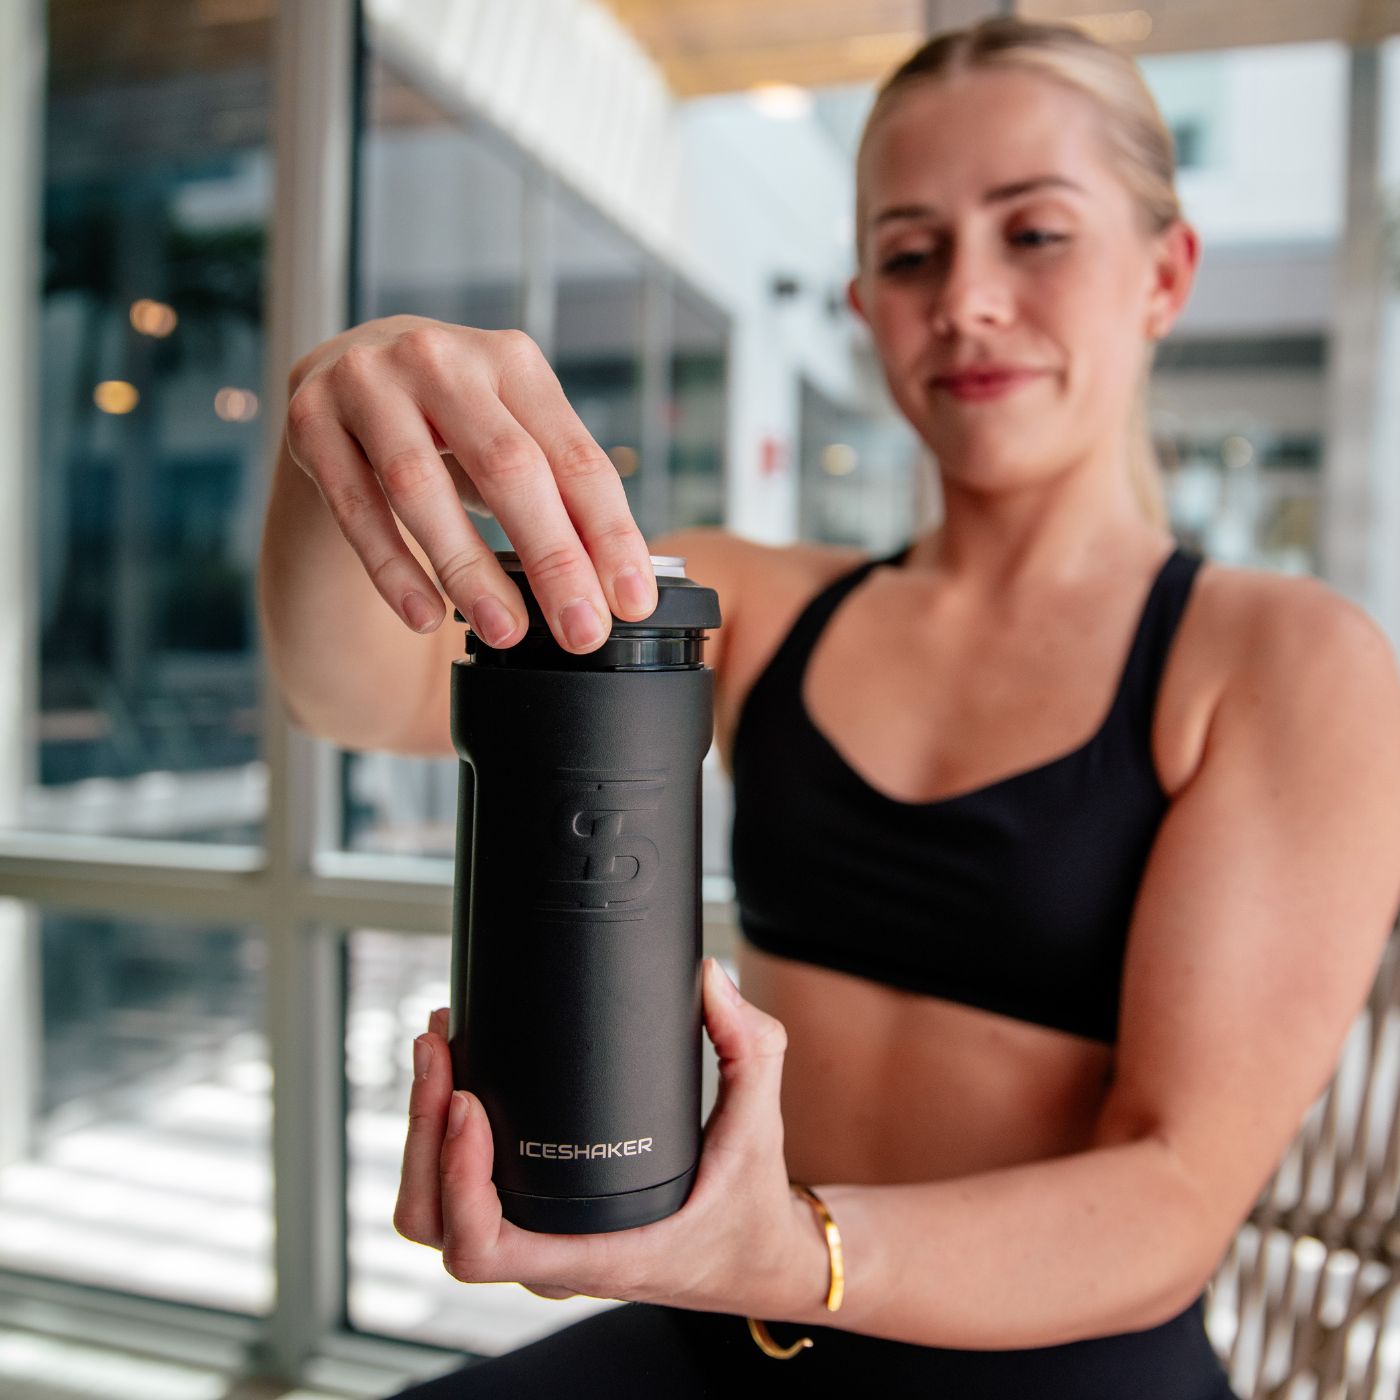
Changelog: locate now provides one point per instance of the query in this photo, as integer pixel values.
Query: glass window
(1191, 90)
(156, 180)
(696, 413)
(135, 1107)
(1238, 427)
(441, 226)
(858, 473)
(597, 349)
(610, 313)
(1241, 389)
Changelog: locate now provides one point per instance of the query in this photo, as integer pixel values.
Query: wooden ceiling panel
(710, 46)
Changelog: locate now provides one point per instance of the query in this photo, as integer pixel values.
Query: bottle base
(596, 1215)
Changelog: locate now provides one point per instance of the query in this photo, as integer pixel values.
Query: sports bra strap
(803, 634)
(1138, 680)
(1161, 615)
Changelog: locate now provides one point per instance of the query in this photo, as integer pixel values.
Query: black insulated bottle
(576, 1014)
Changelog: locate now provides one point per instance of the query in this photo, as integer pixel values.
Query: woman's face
(961, 269)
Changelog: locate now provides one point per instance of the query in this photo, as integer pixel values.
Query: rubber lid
(682, 604)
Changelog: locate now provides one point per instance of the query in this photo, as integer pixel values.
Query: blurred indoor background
(219, 937)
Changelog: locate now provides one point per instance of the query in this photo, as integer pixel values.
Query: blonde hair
(1138, 143)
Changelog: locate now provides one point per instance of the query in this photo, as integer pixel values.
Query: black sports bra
(1014, 897)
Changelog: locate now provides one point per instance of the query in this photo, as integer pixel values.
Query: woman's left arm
(1264, 909)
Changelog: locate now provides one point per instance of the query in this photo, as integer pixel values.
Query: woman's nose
(972, 292)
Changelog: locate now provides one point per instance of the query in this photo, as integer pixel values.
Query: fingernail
(419, 611)
(633, 591)
(457, 1114)
(580, 622)
(422, 1057)
(492, 621)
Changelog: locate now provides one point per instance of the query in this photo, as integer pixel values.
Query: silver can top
(664, 565)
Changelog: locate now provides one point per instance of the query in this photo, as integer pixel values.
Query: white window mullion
(22, 92)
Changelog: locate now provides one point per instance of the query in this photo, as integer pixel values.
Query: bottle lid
(670, 635)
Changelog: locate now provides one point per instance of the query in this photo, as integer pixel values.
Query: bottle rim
(665, 565)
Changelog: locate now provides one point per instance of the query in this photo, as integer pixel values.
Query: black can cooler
(576, 1014)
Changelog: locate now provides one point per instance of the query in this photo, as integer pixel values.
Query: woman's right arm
(409, 420)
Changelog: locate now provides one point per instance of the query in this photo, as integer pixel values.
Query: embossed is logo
(601, 857)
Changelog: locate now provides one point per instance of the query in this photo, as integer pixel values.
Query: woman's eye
(900, 261)
(1044, 235)
(1038, 238)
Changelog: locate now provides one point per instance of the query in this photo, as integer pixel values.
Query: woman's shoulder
(1259, 654)
(1294, 644)
(1258, 611)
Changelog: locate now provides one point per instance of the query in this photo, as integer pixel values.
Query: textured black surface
(576, 961)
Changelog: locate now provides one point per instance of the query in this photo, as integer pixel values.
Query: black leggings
(645, 1350)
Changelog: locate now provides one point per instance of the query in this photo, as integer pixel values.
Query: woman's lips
(974, 388)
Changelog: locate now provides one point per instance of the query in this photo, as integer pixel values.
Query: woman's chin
(987, 451)
(982, 466)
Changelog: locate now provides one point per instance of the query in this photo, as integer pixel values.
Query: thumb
(751, 1045)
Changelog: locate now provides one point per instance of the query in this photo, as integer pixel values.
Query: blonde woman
(1064, 857)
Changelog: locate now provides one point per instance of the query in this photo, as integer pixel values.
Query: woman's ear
(1175, 259)
(853, 297)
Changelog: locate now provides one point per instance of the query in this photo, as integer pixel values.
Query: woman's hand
(424, 417)
(742, 1243)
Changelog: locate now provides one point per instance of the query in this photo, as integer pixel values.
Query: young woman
(1064, 858)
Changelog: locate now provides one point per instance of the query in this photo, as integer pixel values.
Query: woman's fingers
(597, 539)
(480, 1246)
(322, 448)
(751, 1046)
(516, 480)
(447, 1198)
(407, 420)
(418, 1211)
(471, 1217)
(396, 440)
(463, 484)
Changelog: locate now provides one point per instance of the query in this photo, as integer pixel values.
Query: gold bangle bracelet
(759, 1332)
(835, 1290)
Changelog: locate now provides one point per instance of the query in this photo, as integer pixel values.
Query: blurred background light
(236, 405)
(116, 396)
(153, 318)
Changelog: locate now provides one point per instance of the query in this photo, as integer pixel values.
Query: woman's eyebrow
(992, 196)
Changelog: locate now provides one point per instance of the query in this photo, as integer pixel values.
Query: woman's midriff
(883, 1085)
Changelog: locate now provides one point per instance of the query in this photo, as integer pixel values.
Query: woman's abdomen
(884, 1085)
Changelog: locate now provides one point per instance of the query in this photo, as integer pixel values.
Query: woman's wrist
(811, 1267)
